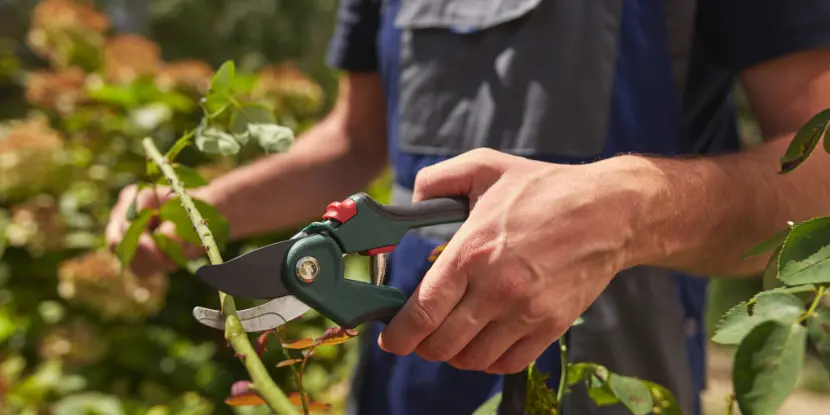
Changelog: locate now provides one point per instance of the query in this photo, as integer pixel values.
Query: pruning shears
(307, 271)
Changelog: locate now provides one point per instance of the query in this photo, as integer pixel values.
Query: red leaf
(294, 397)
(336, 335)
(242, 395)
(288, 362)
(299, 344)
(262, 343)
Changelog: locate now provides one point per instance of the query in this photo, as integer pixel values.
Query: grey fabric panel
(635, 328)
(535, 83)
(680, 24)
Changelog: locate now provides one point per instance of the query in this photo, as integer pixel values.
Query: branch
(234, 333)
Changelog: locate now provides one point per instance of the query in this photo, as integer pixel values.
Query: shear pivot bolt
(307, 269)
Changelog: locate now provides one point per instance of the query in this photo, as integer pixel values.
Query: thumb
(468, 174)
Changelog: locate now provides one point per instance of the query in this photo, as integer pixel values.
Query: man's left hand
(541, 243)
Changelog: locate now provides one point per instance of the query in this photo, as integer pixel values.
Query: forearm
(701, 214)
(286, 189)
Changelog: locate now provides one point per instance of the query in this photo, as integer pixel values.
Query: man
(560, 121)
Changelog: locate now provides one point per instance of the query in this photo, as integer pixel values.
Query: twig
(819, 294)
(563, 377)
(234, 333)
(298, 375)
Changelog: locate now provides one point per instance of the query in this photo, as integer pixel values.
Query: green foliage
(78, 333)
(767, 365)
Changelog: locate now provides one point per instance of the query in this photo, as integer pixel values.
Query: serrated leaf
(818, 328)
(214, 141)
(798, 289)
(272, 138)
(767, 245)
(723, 294)
(173, 211)
(190, 178)
(632, 393)
(805, 141)
(171, 248)
(129, 243)
(805, 255)
(299, 344)
(663, 399)
(578, 372)
(289, 362)
(737, 322)
(489, 407)
(767, 366)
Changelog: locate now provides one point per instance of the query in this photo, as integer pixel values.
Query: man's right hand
(149, 258)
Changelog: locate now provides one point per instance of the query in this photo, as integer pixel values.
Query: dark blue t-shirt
(646, 115)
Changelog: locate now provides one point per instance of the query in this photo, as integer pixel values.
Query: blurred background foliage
(81, 83)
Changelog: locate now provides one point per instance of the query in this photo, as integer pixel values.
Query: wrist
(644, 192)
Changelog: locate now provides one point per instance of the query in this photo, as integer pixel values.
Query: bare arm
(336, 158)
(703, 213)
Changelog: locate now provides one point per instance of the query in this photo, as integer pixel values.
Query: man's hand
(541, 243)
(149, 258)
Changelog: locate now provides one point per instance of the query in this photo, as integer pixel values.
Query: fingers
(468, 174)
(458, 329)
(435, 298)
(522, 353)
(488, 346)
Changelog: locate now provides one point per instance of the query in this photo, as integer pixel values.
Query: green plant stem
(563, 377)
(730, 402)
(298, 375)
(234, 333)
(814, 305)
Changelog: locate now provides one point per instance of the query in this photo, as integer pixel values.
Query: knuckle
(534, 311)
(421, 317)
(438, 351)
(468, 362)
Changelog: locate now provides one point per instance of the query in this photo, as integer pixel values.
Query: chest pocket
(527, 77)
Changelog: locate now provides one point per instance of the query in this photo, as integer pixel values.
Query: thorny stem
(234, 333)
(819, 294)
(298, 375)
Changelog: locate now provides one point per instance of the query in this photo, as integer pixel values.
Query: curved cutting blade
(261, 318)
(255, 275)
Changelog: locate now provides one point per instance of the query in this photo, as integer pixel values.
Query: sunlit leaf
(249, 113)
(768, 244)
(132, 209)
(767, 366)
(272, 138)
(489, 407)
(632, 393)
(223, 80)
(579, 320)
(129, 243)
(289, 362)
(336, 335)
(818, 328)
(805, 256)
(600, 392)
(294, 397)
(243, 395)
(214, 141)
(737, 322)
(299, 344)
(804, 142)
(664, 401)
(171, 248)
(189, 177)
